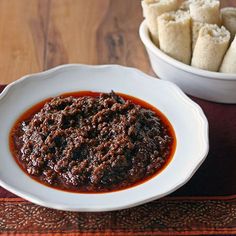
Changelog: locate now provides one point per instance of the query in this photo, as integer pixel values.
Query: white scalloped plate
(187, 118)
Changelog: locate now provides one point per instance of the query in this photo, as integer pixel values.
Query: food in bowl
(208, 85)
(193, 32)
(186, 117)
(92, 142)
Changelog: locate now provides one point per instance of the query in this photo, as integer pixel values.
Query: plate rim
(181, 94)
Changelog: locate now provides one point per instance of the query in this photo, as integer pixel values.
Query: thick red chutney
(91, 142)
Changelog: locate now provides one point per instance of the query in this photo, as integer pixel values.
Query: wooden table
(39, 34)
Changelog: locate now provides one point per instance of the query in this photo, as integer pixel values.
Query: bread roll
(229, 62)
(175, 35)
(196, 26)
(228, 15)
(203, 12)
(210, 48)
(206, 11)
(154, 8)
(185, 5)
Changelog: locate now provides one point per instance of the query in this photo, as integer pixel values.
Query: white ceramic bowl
(212, 86)
(187, 118)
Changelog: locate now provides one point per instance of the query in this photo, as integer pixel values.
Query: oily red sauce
(70, 180)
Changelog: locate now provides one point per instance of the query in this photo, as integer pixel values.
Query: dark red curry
(92, 142)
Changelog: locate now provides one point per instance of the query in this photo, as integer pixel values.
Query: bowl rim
(144, 35)
(201, 155)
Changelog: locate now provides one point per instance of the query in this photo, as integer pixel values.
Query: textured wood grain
(39, 34)
(22, 37)
(73, 26)
(96, 32)
(118, 41)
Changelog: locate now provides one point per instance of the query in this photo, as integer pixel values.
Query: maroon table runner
(205, 205)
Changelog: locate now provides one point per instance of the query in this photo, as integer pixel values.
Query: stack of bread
(196, 32)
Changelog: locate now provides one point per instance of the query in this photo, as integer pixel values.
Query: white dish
(212, 86)
(187, 118)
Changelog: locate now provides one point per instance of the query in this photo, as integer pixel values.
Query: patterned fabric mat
(205, 205)
(168, 216)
